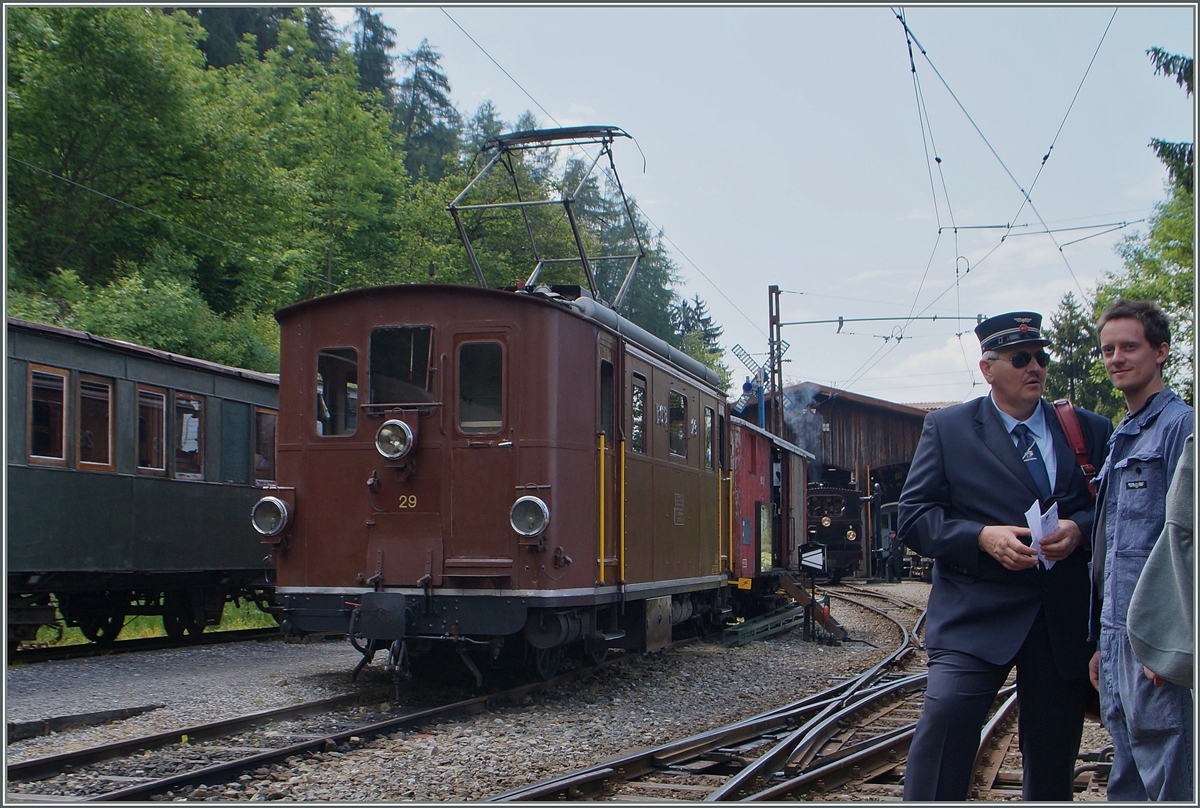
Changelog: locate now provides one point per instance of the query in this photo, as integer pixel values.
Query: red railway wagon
(493, 468)
(768, 515)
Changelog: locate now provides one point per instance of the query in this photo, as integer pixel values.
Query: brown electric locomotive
(518, 470)
(477, 466)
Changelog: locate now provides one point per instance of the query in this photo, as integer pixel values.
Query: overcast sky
(786, 145)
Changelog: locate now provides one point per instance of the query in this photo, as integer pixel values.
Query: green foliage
(425, 116)
(104, 112)
(226, 27)
(1178, 157)
(1160, 266)
(1160, 263)
(175, 176)
(1076, 353)
(373, 44)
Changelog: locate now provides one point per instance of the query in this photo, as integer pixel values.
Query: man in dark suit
(994, 605)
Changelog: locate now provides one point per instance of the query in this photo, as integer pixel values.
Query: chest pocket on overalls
(1137, 483)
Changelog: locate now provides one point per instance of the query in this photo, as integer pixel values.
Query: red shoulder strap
(1069, 421)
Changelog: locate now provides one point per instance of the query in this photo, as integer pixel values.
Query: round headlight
(529, 516)
(394, 439)
(269, 516)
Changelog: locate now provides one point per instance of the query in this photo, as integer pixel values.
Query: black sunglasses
(1021, 358)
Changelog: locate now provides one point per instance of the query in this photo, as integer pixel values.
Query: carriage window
(152, 430)
(95, 422)
(337, 391)
(264, 445)
(480, 387)
(400, 365)
(47, 415)
(189, 436)
(710, 419)
(606, 399)
(678, 423)
(637, 410)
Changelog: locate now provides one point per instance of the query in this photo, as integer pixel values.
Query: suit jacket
(967, 474)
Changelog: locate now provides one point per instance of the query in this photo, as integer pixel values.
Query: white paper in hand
(1040, 526)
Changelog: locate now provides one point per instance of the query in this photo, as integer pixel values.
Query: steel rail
(887, 746)
(803, 739)
(636, 764)
(45, 767)
(224, 772)
(51, 765)
(807, 710)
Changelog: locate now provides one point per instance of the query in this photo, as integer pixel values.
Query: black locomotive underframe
(381, 617)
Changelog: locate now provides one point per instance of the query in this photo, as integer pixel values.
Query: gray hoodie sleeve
(1160, 617)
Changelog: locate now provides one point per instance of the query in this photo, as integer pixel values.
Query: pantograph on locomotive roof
(505, 146)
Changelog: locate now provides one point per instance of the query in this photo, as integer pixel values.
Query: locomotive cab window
(152, 431)
(264, 445)
(47, 415)
(637, 412)
(95, 401)
(189, 436)
(480, 387)
(400, 365)
(337, 391)
(677, 428)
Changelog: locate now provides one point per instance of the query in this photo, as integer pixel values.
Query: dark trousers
(962, 688)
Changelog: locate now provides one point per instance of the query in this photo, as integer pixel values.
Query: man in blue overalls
(1151, 727)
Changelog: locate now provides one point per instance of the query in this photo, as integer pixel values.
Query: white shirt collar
(1035, 422)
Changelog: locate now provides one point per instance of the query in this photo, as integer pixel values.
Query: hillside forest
(175, 175)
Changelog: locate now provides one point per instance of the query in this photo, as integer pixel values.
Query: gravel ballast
(649, 700)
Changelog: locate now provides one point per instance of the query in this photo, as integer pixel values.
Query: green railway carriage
(130, 476)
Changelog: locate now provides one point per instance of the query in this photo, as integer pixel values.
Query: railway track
(742, 759)
(182, 760)
(84, 650)
(850, 740)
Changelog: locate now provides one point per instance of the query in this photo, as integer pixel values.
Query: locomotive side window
(677, 427)
(152, 430)
(337, 391)
(710, 420)
(606, 400)
(189, 436)
(400, 365)
(637, 411)
(264, 445)
(95, 422)
(47, 415)
(480, 387)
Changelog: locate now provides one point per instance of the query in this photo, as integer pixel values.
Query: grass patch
(234, 618)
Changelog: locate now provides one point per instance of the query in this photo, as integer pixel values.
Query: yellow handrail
(621, 551)
(720, 520)
(729, 482)
(601, 507)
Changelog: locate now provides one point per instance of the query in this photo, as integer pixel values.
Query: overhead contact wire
(637, 207)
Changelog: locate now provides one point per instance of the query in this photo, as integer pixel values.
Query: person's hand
(1062, 542)
(1094, 670)
(1003, 543)
(1153, 677)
